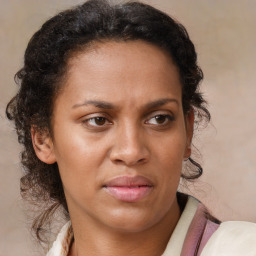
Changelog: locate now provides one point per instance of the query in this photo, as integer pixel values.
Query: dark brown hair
(45, 64)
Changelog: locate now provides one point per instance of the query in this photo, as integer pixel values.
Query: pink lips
(129, 189)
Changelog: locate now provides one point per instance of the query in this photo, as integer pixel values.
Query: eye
(160, 120)
(97, 121)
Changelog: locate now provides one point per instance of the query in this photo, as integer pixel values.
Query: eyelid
(95, 114)
(86, 120)
(167, 114)
(160, 113)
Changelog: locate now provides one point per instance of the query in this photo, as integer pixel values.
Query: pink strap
(199, 232)
(210, 228)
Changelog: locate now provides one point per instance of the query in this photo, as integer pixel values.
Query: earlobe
(187, 153)
(43, 146)
(190, 117)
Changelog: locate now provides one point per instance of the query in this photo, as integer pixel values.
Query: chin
(132, 220)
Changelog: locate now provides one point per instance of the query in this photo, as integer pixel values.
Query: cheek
(171, 171)
(77, 161)
(171, 149)
(170, 158)
(79, 157)
(73, 147)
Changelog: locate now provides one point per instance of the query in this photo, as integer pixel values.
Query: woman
(106, 108)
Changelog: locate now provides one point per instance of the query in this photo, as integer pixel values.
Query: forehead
(123, 52)
(132, 67)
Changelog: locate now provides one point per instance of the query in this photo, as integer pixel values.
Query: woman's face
(120, 135)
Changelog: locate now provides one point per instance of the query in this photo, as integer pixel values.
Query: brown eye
(100, 120)
(96, 121)
(160, 119)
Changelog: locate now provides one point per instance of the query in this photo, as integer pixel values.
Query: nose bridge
(129, 146)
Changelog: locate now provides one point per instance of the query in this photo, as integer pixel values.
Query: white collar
(178, 236)
(62, 244)
(232, 238)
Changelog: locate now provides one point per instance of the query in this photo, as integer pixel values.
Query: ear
(189, 119)
(43, 146)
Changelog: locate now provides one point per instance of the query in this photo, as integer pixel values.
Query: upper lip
(129, 181)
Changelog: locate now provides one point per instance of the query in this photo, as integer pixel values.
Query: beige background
(224, 34)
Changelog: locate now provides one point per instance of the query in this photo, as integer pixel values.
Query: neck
(92, 240)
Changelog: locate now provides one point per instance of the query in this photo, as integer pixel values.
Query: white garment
(61, 245)
(232, 238)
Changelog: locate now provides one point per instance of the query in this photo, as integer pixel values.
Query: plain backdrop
(224, 35)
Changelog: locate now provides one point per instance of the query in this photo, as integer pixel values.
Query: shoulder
(234, 238)
(62, 244)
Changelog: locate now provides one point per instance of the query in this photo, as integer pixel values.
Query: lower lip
(129, 194)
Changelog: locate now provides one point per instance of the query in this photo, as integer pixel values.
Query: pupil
(100, 121)
(160, 119)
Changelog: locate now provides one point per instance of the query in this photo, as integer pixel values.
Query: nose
(129, 147)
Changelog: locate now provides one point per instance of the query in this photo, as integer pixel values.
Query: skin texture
(137, 127)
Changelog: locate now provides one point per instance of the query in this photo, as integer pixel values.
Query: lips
(129, 189)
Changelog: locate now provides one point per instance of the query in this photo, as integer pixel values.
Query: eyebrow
(107, 105)
(160, 102)
(96, 103)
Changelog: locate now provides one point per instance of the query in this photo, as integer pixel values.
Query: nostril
(130, 162)
(118, 161)
(142, 160)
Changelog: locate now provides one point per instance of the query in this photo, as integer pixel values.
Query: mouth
(129, 189)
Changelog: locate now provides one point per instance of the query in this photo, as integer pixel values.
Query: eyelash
(167, 120)
(87, 121)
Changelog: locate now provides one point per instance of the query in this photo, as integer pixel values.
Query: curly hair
(45, 65)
